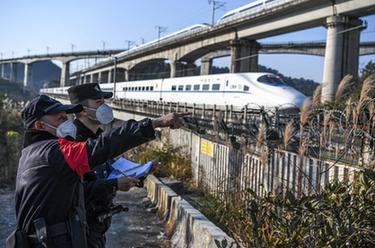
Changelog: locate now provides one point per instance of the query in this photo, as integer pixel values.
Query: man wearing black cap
(99, 192)
(49, 195)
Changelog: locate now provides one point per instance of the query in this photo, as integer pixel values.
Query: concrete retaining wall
(186, 226)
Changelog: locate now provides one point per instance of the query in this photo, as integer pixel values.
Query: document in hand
(124, 167)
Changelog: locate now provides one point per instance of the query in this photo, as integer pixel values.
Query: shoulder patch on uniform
(75, 155)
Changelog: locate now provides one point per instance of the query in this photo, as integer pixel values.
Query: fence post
(231, 113)
(244, 115)
(226, 113)
(214, 112)
(203, 110)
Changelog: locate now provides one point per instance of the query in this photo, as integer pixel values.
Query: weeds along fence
(221, 168)
(11, 130)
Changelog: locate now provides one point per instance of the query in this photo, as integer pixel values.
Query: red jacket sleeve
(75, 155)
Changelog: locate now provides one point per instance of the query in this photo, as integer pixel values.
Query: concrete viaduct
(64, 58)
(238, 38)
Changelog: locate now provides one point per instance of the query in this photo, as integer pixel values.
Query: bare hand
(126, 183)
(172, 120)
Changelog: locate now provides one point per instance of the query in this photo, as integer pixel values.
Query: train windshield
(271, 80)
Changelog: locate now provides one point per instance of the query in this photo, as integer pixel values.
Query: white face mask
(67, 128)
(104, 114)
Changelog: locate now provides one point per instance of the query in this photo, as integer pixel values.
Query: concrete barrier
(160, 195)
(185, 225)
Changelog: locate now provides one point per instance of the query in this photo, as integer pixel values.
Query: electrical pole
(47, 49)
(103, 43)
(215, 6)
(72, 46)
(160, 30)
(129, 44)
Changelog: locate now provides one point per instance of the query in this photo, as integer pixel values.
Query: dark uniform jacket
(50, 169)
(99, 192)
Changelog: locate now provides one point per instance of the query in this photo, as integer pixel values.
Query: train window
(188, 87)
(246, 88)
(143, 88)
(206, 87)
(180, 87)
(152, 88)
(216, 87)
(124, 89)
(132, 89)
(271, 80)
(147, 88)
(173, 87)
(197, 87)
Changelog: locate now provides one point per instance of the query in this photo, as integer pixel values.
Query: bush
(343, 215)
(172, 164)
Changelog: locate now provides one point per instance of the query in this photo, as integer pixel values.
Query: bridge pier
(109, 79)
(206, 64)
(341, 54)
(174, 65)
(100, 77)
(2, 70)
(65, 70)
(27, 77)
(179, 69)
(13, 72)
(244, 56)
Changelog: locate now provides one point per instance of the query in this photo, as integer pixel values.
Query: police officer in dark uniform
(99, 192)
(50, 208)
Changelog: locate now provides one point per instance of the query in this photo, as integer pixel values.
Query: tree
(368, 70)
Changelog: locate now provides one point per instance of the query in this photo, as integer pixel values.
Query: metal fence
(221, 169)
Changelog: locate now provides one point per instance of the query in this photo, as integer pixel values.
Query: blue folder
(123, 167)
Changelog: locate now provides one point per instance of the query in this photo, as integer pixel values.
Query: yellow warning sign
(207, 148)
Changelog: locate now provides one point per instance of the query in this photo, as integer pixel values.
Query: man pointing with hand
(49, 196)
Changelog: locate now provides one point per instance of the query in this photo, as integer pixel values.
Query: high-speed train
(238, 89)
(178, 34)
(253, 6)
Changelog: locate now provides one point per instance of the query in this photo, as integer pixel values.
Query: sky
(30, 26)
